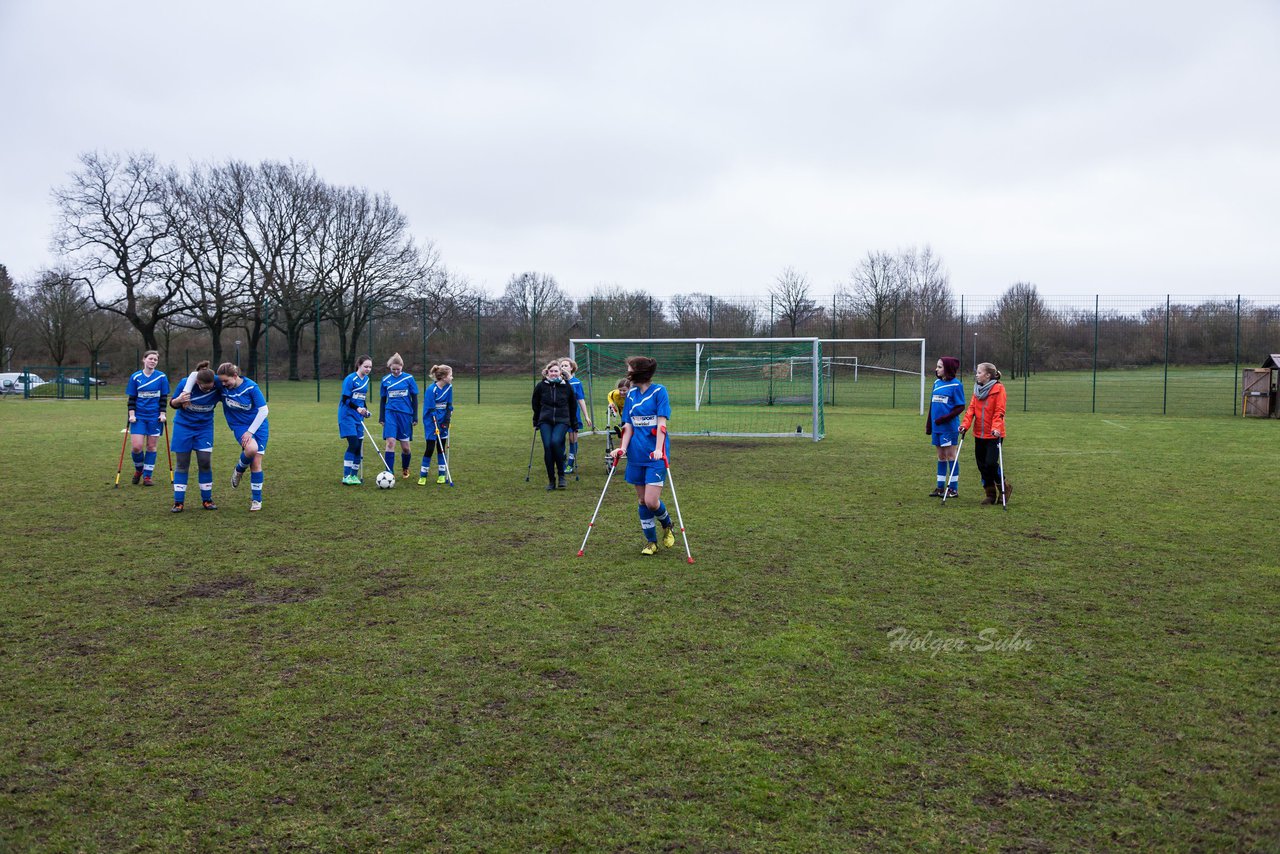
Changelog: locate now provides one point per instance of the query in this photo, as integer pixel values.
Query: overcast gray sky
(1126, 148)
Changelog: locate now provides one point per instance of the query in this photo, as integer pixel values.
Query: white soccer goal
(718, 386)
(882, 369)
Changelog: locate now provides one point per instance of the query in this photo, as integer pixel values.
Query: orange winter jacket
(986, 416)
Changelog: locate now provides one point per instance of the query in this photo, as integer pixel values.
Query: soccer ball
(385, 480)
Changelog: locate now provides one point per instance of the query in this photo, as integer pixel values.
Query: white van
(12, 383)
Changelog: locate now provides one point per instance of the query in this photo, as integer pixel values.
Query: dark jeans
(553, 448)
(986, 452)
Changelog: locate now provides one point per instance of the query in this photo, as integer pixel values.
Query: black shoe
(137, 476)
(177, 507)
(561, 484)
(208, 505)
(937, 493)
(551, 487)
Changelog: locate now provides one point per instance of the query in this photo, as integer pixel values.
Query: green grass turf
(434, 668)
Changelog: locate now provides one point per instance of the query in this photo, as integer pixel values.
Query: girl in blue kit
(437, 411)
(195, 401)
(397, 412)
(644, 444)
(568, 367)
(148, 391)
(246, 412)
(351, 415)
(943, 424)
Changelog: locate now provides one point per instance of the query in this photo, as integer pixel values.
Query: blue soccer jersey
(437, 403)
(355, 392)
(947, 395)
(399, 393)
(642, 411)
(197, 415)
(579, 393)
(146, 392)
(242, 407)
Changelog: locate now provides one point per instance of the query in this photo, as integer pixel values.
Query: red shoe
(137, 476)
(146, 481)
(177, 507)
(208, 505)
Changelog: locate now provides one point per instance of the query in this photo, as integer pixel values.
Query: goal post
(750, 387)
(880, 369)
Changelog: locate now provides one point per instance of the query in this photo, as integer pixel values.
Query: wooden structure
(1260, 392)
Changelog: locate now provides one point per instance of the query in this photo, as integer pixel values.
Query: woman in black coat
(552, 416)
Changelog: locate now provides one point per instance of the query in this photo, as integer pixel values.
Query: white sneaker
(255, 505)
(235, 478)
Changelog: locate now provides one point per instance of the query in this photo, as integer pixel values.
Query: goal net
(717, 386)
(880, 373)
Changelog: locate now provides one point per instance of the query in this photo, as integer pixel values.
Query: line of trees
(154, 257)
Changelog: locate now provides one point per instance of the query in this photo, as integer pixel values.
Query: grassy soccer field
(429, 667)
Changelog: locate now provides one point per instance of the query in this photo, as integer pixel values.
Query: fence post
(425, 364)
(1094, 406)
(975, 346)
(95, 369)
(316, 354)
(591, 318)
(266, 351)
(650, 312)
(1235, 395)
(711, 307)
(533, 326)
(1026, 352)
(770, 315)
(1164, 407)
(893, 404)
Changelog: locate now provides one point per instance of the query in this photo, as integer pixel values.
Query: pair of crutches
(674, 498)
(444, 456)
(164, 428)
(1004, 501)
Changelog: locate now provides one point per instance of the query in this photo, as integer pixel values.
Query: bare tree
(97, 329)
(56, 307)
(614, 312)
(214, 277)
(877, 292)
(10, 303)
(536, 303)
(927, 290)
(112, 227)
(443, 297)
(1016, 317)
(791, 300)
(278, 210)
(376, 267)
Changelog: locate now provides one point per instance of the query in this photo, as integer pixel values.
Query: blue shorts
(430, 429)
(145, 427)
(184, 440)
(352, 426)
(260, 437)
(945, 440)
(640, 474)
(398, 425)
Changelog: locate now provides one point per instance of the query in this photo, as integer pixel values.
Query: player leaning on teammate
(246, 412)
(148, 391)
(351, 415)
(553, 401)
(397, 413)
(437, 412)
(986, 416)
(568, 368)
(193, 431)
(947, 403)
(645, 445)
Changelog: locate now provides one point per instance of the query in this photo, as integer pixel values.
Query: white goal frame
(923, 358)
(700, 343)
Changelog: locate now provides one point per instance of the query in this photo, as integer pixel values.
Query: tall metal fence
(1104, 354)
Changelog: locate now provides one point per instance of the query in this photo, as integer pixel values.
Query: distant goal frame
(923, 357)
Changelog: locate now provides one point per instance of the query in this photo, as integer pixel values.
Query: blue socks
(255, 485)
(149, 463)
(664, 518)
(206, 489)
(137, 460)
(390, 457)
(179, 487)
(243, 464)
(647, 524)
(405, 458)
(943, 468)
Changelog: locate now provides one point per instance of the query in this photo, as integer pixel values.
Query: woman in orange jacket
(986, 415)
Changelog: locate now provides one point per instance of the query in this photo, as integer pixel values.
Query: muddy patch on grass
(565, 680)
(236, 584)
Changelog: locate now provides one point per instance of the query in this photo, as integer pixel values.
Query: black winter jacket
(552, 403)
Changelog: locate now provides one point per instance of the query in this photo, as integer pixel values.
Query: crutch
(123, 445)
(374, 442)
(680, 519)
(946, 490)
(164, 428)
(592, 523)
(448, 477)
(532, 439)
(1004, 500)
